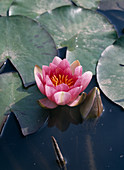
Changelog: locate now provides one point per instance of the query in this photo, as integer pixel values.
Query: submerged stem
(59, 157)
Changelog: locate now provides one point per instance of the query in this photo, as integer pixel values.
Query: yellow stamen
(63, 78)
(69, 84)
(69, 80)
(56, 80)
(60, 76)
(66, 79)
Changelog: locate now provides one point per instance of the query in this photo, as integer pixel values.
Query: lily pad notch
(26, 43)
(110, 72)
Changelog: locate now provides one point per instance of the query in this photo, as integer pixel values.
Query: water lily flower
(61, 82)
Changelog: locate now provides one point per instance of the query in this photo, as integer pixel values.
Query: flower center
(56, 80)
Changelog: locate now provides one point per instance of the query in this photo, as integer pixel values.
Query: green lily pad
(86, 33)
(110, 72)
(26, 44)
(112, 5)
(4, 6)
(1, 63)
(33, 8)
(89, 4)
(22, 102)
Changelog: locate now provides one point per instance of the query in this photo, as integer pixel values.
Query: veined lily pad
(25, 43)
(23, 102)
(110, 72)
(4, 6)
(84, 32)
(89, 4)
(33, 8)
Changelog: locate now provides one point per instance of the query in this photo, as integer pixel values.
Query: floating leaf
(112, 5)
(26, 44)
(116, 17)
(1, 64)
(114, 11)
(84, 32)
(110, 72)
(92, 105)
(89, 4)
(23, 102)
(33, 8)
(4, 6)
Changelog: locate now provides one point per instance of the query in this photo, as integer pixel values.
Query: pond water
(91, 145)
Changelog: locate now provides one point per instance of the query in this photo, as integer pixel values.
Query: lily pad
(25, 43)
(1, 63)
(23, 102)
(115, 16)
(112, 5)
(89, 4)
(86, 33)
(33, 8)
(4, 6)
(110, 72)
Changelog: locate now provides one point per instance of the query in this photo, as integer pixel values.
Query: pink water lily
(61, 82)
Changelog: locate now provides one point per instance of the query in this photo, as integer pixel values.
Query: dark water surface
(92, 145)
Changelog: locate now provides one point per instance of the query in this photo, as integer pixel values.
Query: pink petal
(78, 71)
(52, 68)
(50, 91)
(39, 83)
(56, 60)
(62, 98)
(46, 103)
(64, 64)
(68, 72)
(75, 92)
(62, 87)
(37, 69)
(74, 65)
(80, 99)
(46, 70)
(58, 71)
(48, 81)
(75, 102)
(79, 81)
(86, 78)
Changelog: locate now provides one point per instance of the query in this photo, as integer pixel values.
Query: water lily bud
(92, 106)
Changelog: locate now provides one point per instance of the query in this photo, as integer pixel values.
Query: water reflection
(92, 164)
(62, 116)
(91, 107)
